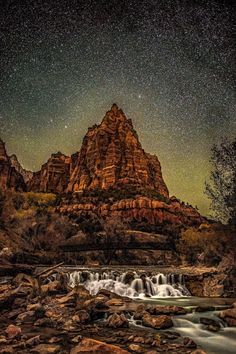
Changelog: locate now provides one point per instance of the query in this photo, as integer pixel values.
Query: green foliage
(222, 186)
(205, 245)
(112, 195)
(41, 199)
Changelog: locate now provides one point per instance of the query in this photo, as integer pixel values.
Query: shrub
(206, 246)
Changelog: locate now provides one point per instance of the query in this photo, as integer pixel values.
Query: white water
(222, 342)
(155, 286)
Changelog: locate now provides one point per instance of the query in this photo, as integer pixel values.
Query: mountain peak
(114, 116)
(114, 108)
(3, 153)
(111, 156)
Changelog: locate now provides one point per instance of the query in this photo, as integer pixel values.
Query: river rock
(115, 302)
(129, 277)
(167, 310)
(135, 348)
(7, 350)
(157, 322)
(3, 340)
(13, 331)
(33, 341)
(204, 308)
(189, 343)
(211, 325)
(92, 346)
(28, 316)
(117, 321)
(81, 316)
(229, 316)
(46, 349)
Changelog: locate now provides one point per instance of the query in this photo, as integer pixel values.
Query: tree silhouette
(221, 188)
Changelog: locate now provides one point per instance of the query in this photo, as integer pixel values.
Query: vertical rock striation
(111, 156)
(10, 178)
(53, 176)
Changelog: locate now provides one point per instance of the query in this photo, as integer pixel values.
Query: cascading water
(130, 284)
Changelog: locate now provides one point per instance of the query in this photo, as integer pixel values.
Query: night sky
(168, 64)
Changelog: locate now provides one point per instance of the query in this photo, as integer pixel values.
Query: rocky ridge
(27, 175)
(53, 176)
(10, 178)
(111, 159)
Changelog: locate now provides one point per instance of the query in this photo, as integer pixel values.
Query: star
(167, 64)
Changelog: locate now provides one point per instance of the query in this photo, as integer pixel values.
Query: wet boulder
(117, 321)
(229, 316)
(115, 302)
(189, 343)
(96, 307)
(157, 322)
(166, 310)
(204, 308)
(129, 277)
(210, 324)
(88, 345)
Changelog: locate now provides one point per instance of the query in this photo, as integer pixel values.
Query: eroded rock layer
(53, 176)
(27, 175)
(10, 178)
(141, 209)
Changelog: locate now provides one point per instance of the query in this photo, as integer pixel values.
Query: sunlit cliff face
(169, 66)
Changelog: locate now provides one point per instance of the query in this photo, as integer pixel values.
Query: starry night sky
(168, 64)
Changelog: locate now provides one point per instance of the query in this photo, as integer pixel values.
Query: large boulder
(229, 316)
(88, 345)
(117, 321)
(157, 322)
(167, 310)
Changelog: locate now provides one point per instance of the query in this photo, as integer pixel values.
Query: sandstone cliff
(139, 209)
(10, 178)
(53, 176)
(112, 156)
(27, 175)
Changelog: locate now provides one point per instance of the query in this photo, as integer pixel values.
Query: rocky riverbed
(44, 314)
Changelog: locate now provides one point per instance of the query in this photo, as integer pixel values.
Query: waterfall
(130, 284)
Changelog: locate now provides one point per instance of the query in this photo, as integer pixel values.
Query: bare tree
(221, 188)
(114, 230)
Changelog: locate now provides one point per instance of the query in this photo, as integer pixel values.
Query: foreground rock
(157, 322)
(10, 178)
(210, 324)
(48, 319)
(92, 346)
(117, 321)
(229, 316)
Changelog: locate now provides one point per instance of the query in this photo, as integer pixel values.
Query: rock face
(53, 176)
(27, 175)
(140, 209)
(111, 156)
(10, 178)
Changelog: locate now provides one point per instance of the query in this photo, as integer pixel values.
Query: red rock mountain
(111, 161)
(111, 156)
(27, 175)
(10, 178)
(53, 176)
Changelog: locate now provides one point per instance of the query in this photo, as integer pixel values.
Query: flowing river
(161, 289)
